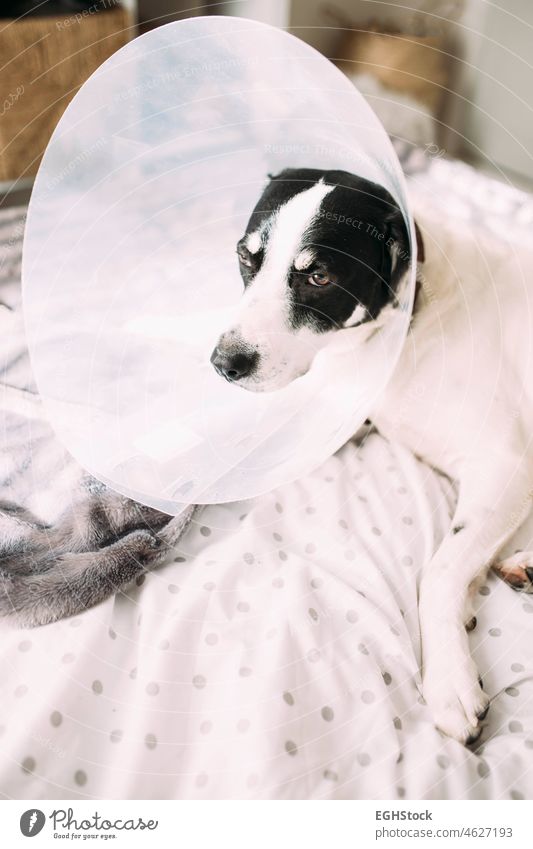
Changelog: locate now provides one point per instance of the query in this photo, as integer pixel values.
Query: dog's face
(323, 251)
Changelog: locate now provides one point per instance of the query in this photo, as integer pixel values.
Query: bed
(276, 654)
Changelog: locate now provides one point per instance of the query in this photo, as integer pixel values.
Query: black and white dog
(326, 250)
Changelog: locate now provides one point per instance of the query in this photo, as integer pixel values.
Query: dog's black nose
(233, 366)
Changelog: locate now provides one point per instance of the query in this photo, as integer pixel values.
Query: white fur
(462, 399)
(304, 259)
(358, 315)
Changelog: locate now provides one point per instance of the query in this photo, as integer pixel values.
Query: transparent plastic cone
(130, 272)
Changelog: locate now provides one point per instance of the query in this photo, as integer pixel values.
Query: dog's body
(461, 396)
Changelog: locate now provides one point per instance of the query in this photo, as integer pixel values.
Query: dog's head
(323, 251)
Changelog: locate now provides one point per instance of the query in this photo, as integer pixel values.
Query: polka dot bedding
(276, 656)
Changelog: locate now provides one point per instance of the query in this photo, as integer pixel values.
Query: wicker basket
(414, 65)
(45, 61)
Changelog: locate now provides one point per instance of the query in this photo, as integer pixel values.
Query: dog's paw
(517, 571)
(457, 702)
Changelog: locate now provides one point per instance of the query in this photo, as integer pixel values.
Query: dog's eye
(244, 259)
(318, 278)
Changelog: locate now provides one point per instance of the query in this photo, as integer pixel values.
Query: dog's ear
(398, 245)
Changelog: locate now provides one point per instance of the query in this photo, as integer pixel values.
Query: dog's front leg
(488, 512)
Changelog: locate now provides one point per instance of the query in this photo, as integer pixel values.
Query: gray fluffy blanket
(66, 540)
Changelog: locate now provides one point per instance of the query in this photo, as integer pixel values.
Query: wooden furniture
(45, 60)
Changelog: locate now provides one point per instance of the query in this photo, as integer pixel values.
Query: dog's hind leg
(488, 512)
(517, 571)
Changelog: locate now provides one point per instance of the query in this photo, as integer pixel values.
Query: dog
(325, 252)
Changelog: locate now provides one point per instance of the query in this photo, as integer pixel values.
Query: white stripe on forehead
(287, 228)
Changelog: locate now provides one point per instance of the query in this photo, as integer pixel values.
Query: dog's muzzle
(234, 365)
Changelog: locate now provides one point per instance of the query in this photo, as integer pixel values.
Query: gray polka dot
(201, 779)
(367, 697)
(512, 691)
(56, 718)
(140, 580)
(206, 727)
(164, 645)
(243, 607)
(376, 532)
(199, 681)
(313, 614)
(495, 632)
(363, 759)
(351, 616)
(400, 791)
(291, 748)
(173, 588)
(443, 761)
(343, 524)
(25, 645)
(517, 667)
(245, 671)
(28, 765)
(282, 555)
(397, 723)
(387, 677)
(313, 655)
(80, 777)
(483, 769)
(515, 726)
(20, 691)
(116, 735)
(180, 559)
(395, 630)
(288, 698)
(316, 583)
(68, 658)
(363, 649)
(133, 673)
(528, 744)
(97, 687)
(248, 558)
(310, 548)
(112, 634)
(407, 520)
(243, 725)
(528, 608)
(152, 688)
(327, 713)
(516, 794)
(205, 531)
(211, 639)
(277, 536)
(329, 775)
(279, 507)
(484, 590)
(150, 741)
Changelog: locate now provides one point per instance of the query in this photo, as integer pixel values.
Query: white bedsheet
(276, 657)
